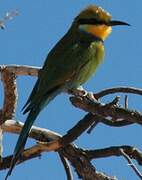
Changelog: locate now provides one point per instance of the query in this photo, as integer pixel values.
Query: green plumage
(72, 61)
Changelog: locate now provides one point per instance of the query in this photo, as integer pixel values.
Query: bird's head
(96, 21)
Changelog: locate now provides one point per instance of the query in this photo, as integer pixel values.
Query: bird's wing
(61, 65)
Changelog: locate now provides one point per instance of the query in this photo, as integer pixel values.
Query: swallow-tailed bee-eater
(73, 60)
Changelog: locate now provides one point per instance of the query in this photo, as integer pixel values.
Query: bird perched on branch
(73, 60)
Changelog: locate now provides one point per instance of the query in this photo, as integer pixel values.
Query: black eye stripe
(91, 21)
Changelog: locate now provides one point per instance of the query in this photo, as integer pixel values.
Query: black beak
(96, 22)
(117, 23)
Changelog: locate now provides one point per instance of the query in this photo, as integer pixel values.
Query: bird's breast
(91, 57)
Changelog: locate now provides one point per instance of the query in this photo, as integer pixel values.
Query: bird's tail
(33, 113)
(22, 139)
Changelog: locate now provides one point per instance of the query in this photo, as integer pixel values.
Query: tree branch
(66, 165)
(108, 91)
(37, 133)
(132, 152)
(76, 156)
(131, 164)
(20, 70)
(110, 114)
(114, 112)
(10, 95)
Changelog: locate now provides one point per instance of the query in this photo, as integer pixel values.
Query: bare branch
(92, 127)
(27, 154)
(10, 100)
(71, 152)
(110, 114)
(40, 134)
(81, 163)
(77, 130)
(76, 156)
(108, 91)
(46, 135)
(133, 152)
(10, 95)
(37, 133)
(106, 111)
(114, 122)
(126, 102)
(131, 164)
(1, 141)
(66, 166)
(21, 69)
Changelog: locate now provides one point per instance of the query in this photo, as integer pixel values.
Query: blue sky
(27, 40)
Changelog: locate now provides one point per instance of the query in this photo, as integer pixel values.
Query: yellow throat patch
(101, 31)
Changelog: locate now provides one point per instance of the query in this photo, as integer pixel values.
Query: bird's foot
(83, 93)
(91, 96)
(78, 91)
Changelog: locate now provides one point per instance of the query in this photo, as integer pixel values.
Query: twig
(131, 164)
(126, 102)
(66, 167)
(92, 127)
(1, 143)
(108, 91)
(133, 152)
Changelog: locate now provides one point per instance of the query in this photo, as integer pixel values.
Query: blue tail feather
(33, 113)
(23, 138)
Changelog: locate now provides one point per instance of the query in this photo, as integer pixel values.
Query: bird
(71, 62)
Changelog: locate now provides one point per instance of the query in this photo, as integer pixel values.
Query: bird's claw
(78, 91)
(83, 93)
(90, 95)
